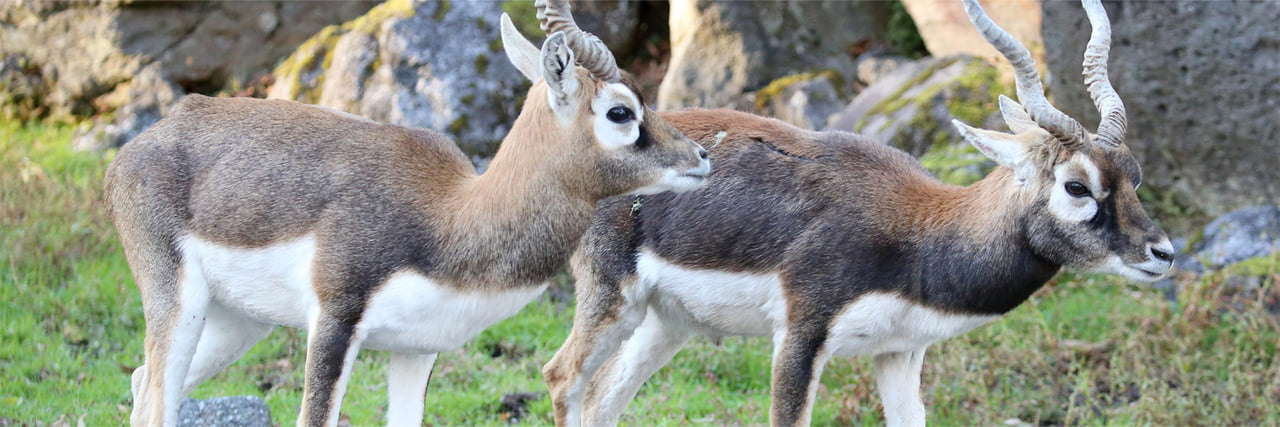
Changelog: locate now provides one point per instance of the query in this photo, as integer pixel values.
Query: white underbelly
(712, 302)
(407, 313)
(719, 303)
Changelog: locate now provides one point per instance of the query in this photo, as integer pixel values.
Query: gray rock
(424, 64)
(723, 49)
(148, 98)
(871, 66)
(805, 100)
(232, 411)
(1234, 237)
(911, 108)
(614, 21)
(85, 49)
(1201, 83)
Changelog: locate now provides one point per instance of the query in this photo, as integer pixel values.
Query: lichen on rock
(414, 63)
(912, 107)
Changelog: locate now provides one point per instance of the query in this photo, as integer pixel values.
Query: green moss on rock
(524, 15)
(482, 63)
(766, 95)
(316, 54)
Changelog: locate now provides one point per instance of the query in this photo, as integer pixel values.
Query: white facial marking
(615, 135)
(1145, 272)
(1070, 208)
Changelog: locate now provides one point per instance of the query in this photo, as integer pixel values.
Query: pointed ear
(557, 70)
(1015, 116)
(522, 53)
(1007, 150)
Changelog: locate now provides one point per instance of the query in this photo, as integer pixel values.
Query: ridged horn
(592, 53)
(1113, 124)
(1067, 130)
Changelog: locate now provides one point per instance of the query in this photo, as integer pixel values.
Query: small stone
(231, 411)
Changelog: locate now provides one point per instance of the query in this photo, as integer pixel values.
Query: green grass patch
(1085, 350)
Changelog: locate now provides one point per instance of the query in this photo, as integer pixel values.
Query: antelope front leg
(332, 345)
(601, 322)
(797, 368)
(898, 377)
(407, 379)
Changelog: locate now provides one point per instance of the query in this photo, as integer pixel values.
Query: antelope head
(1084, 211)
(628, 143)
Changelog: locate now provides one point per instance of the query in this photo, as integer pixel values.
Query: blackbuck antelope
(240, 214)
(833, 244)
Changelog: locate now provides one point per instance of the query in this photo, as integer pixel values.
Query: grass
(1085, 350)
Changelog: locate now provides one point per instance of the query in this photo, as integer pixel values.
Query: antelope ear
(522, 53)
(557, 70)
(1016, 116)
(1007, 150)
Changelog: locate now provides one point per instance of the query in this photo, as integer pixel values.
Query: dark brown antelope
(833, 244)
(238, 214)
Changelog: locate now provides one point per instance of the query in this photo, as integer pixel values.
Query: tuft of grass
(1084, 350)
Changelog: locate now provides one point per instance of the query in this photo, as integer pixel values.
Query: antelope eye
(620, 114)
(1076, 189)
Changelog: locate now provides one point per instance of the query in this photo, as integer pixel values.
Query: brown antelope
(239, 214)
(833, 244)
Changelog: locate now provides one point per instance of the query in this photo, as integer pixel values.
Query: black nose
(702, 152)
(1160, 254)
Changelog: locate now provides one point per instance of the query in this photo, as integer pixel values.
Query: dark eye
(1076, 189)
(620, 114)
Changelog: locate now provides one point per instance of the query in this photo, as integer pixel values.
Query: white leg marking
(630, 316)
(226, 337)
(340, 389)
(651, 348)
(407, 378)
(819, 363)
(185, 336)
(898, 378)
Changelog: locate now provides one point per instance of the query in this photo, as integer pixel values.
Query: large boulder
(145, 100)
(1201, 83)
(946, 29)
(911, 108)
(436, 65)
(85, 49)
(723, 49)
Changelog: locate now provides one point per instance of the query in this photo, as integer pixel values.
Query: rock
(233, 411)
(514, 406)
(806, 100)
(86, 49)
(436, 65)
(871, 66)
(21, 87)
(146, 98)
(1201, 84)
(614, 21)
(1237, 236)
(946, 29)
(911, 108)
(723, 49)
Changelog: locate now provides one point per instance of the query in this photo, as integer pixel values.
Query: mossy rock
(301, 75)
(912, 107)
